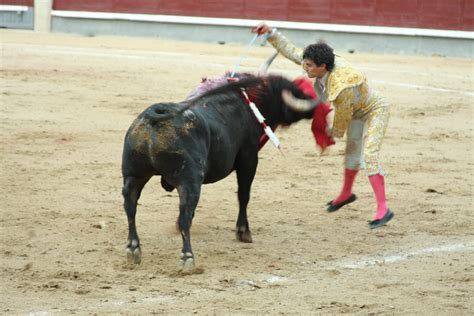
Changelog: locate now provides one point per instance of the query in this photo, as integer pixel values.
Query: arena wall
(427, 27)
(18, 14)
(430, 14)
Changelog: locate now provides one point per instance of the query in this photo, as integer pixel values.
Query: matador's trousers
(364, 139)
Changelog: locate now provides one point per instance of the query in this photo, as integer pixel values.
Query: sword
(236, 67)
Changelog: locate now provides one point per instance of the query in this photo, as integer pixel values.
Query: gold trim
(343, 78)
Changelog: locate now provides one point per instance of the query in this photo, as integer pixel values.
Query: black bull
(192, 143)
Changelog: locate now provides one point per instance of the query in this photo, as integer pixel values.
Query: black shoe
(334, 207)
(382, 221)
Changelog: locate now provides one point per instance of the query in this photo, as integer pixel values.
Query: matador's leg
(355, 135)
(377, 125)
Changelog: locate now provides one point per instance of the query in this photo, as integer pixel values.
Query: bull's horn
(264, 67)
(296, 104)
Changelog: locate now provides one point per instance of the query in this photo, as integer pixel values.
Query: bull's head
(295, 103)
(298, 104)
(301, 103)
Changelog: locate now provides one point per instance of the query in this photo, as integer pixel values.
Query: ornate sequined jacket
(345, 87)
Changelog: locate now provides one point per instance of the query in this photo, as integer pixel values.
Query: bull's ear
(298, 105)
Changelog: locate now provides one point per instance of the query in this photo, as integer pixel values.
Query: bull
(202, 141)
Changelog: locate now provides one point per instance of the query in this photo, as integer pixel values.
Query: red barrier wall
(28, 3)
(431, 14)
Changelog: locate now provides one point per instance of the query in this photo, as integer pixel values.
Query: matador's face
(313, 70)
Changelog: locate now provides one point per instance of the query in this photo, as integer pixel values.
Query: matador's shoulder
(343, 77)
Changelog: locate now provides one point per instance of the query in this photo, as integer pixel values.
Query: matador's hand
(261, 28)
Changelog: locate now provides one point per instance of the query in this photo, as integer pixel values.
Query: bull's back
(159, 141)
(205, 139)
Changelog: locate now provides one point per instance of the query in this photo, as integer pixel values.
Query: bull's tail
(158, 113)
(164, 111)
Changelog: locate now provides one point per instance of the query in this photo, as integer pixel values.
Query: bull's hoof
(134, 256)
(243, 234)
(187, 263)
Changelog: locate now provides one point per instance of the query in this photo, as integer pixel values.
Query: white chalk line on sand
(366, 262)
(111, 52)
(117, 53)
(411, 73)
(361, 263)
(420, 87)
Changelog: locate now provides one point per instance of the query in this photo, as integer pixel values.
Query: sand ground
(66, 102)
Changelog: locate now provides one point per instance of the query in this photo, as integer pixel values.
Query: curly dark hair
(320, 53)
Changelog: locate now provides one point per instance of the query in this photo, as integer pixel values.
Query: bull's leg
(188, 199)
(132, 188)
(245, 169)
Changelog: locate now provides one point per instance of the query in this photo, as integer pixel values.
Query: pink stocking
(349, 177)
(378, 185)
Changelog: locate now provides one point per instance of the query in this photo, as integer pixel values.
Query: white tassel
(272, 136)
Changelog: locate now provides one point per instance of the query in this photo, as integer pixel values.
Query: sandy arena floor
(66, 102)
